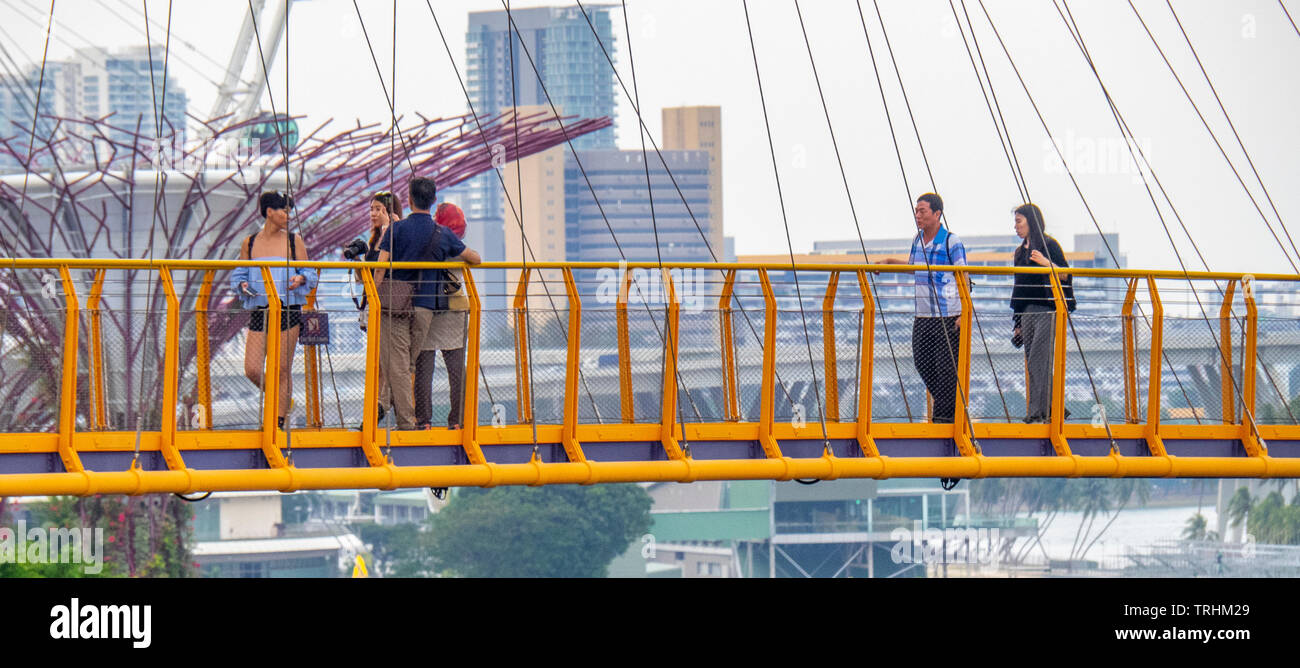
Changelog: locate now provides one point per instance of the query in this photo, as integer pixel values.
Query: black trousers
(934, 353)
(424, 364)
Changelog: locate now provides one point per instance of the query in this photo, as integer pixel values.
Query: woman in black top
(385, 209)
(1035, 308)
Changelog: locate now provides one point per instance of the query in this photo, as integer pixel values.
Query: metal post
(730, 397)
(668, 405)
(625, 394)
(828, 349)
(1152, 431)
(1059, 444)
(768, 394)
(68, 394)
(97, 412)
(369, 414)
(866, 359)
(202, 348)
(170, 376)
(523, 398)
(469, 409)
(1225, 352)
(1130, 355)
(572, 367)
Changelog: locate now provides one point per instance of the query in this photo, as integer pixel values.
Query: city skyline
(1243, 46)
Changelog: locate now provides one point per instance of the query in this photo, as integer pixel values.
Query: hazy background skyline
(698, 53)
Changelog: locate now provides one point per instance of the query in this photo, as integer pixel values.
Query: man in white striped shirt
(936, 330)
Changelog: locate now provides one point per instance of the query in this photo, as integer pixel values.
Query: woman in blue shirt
(292, 284)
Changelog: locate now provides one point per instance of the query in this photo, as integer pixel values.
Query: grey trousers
(1038, 329)
(399, 346)
(424, 364)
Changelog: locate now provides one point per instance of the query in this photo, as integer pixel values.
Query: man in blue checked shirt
(936, 331)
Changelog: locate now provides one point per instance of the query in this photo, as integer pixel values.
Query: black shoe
(280, 422)
(439, 493)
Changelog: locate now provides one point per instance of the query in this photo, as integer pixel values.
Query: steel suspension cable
(919, 239)
(1023, 185)
(1233, 127)
(1215, 138)
(1288, 17)
(591, 188)
(650, 196)
(1069, 173)
(1004, 133)
(519, 178)
(159, 178)
(31, 145)
(1072, 25)
(847, 191)
(505, 190)
(786, 223)
(667, 170)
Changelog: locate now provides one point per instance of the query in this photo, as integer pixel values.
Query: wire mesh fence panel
(699, 364)
(801, 367)
(498, 396)
(598, 356)
(1141, 324)
(847, 327)
(999, 373)
(31, 351)
(647, 332)
(899, 394)
(1094, 368)
(747, 327)
(1191, 346)
(333, 351)
(549, 338)
(800, 346)
(236, 398)
(132, 321)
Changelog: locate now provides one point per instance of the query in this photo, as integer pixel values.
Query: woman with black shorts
(293, 284)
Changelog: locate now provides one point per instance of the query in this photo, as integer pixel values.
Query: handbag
(397, 295)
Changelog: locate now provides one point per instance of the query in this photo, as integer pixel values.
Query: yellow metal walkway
(76, 445)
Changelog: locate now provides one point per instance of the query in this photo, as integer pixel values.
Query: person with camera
(409, 297)
(447, 334)
(1034, 307)
(385, 209)
(273, 242)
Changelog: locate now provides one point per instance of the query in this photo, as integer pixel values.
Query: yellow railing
(674, 462)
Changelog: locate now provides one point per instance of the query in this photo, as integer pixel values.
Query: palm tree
(1195, 528)
(1239, 507)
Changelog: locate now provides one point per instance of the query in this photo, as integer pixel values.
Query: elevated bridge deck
(123, 376)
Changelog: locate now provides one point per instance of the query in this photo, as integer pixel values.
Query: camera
(355, 250)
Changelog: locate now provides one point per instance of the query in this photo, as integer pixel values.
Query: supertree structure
(94, 189)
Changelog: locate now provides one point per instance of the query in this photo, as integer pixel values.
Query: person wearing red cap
(446, 333)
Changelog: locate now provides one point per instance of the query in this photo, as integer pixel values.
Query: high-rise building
(618, 178)
(18, 96)
(502, 72)
(130, 85)
(700, 129)
(95, 84)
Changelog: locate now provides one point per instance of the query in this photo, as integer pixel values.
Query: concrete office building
(574, 76)
(700, 129)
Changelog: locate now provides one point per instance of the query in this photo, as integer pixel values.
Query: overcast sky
(697, 52)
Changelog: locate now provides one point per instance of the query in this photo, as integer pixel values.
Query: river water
(1134, 528)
